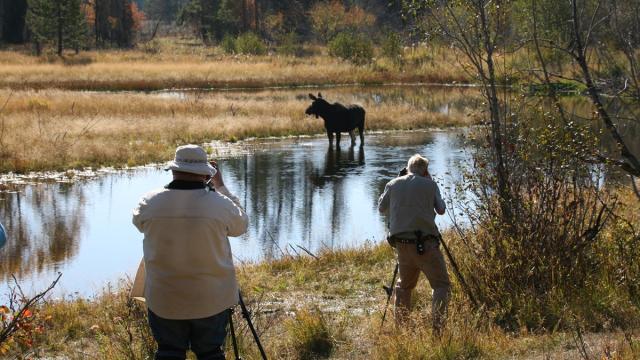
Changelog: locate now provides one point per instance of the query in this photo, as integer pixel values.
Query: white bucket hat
(191, 159)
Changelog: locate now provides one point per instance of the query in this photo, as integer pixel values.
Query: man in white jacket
(190, 279)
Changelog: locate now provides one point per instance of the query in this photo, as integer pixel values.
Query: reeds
(176, 66)
(308, 308)
(54, 129)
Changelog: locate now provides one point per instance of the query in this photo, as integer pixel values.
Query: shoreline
(335, 298)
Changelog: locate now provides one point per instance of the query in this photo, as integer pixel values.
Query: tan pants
(432, 264)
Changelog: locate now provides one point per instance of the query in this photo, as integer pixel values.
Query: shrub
(151, 47)
(228, 44)
(392, 47)
(310, 335)
(250, 44)
(290, 45)
(351, 46)
(533, 259)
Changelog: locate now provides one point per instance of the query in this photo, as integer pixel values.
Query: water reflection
(297, 192)
(45, 224)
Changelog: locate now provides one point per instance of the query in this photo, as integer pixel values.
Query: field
(315, 308)
(56, 129)
(184, 65)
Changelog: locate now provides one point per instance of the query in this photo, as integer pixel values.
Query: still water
(297, 192)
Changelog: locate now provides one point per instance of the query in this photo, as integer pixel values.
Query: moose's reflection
(338, 164)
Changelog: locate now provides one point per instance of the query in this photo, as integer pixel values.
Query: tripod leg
(234, 341)
(458, 273)
(389, 291)
(247, 316)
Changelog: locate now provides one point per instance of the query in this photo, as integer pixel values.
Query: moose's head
(318, 107)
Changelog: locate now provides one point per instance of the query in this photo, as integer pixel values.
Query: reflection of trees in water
(338, 164)
(279, 189)
(43, 226)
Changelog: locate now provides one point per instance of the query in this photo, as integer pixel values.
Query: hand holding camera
(216, 180)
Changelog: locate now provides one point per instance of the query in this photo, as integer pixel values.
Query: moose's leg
(352, 133)
(338, 139)
(361, 131)
(330, 136)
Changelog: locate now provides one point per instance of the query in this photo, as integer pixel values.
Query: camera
(403, 172)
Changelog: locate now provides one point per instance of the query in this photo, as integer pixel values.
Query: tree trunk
(244, 16)
(95, 20)
(59, 15)
(494, 107)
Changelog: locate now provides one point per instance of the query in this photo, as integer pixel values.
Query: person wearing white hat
(190, 281)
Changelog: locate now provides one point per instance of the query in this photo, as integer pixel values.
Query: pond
(298, 193)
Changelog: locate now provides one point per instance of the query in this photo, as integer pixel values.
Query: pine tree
(59, 21)
(39, 22)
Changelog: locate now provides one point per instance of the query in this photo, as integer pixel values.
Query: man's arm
(383, 201)
(439, 203)
(137, 218)
(239, 220)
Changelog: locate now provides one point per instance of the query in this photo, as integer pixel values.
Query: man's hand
(216, 180)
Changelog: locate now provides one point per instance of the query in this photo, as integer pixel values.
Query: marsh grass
(175, 64)
(307, 308)
(53, 129)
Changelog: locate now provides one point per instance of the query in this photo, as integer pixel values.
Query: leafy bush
(353, 47)
(290, 45)
(392, 47)
(228, 44)
(250, 44)
(533, 258)
(151, 47)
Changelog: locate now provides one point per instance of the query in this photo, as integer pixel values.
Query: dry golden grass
(184, 65)
(306, 308)
(54, 129)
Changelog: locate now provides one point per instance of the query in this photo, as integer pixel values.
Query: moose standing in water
(338, 118)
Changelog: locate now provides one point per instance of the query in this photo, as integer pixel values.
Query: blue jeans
(204, 336)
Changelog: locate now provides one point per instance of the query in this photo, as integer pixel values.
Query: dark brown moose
(338, 118)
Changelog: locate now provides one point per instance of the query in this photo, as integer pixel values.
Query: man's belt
(419, 240)
(425, 238)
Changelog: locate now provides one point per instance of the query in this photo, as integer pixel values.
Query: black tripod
(247, 316)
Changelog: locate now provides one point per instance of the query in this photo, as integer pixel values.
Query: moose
(338, 118)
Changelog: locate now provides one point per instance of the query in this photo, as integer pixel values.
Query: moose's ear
(320, 95)
(312, 97)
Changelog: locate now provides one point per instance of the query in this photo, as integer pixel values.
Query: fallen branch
(12, 326)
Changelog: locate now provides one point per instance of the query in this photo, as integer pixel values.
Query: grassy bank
(55, 129)
(173, 63)
(307, 308)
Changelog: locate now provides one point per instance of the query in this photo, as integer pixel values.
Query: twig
(307, 251)
(294, 250)
(13, 325)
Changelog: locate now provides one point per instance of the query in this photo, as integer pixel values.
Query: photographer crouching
(411, 202)
(190, 278)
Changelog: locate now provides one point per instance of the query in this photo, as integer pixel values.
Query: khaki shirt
(187, 255)
(410, 202)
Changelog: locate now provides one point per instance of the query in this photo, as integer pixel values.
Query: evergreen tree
(56, 21)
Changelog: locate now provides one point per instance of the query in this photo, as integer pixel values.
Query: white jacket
(187, 255)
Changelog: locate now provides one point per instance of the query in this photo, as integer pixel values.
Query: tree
(476, 28)
(12, 21)
(596, 32)
(114, 22)
(60, 21)
(330, 18)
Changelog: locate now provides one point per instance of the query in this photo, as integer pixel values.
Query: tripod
(247, 316)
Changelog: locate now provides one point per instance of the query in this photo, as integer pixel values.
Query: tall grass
(307, 308)
(175, 66)
(56, 129)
